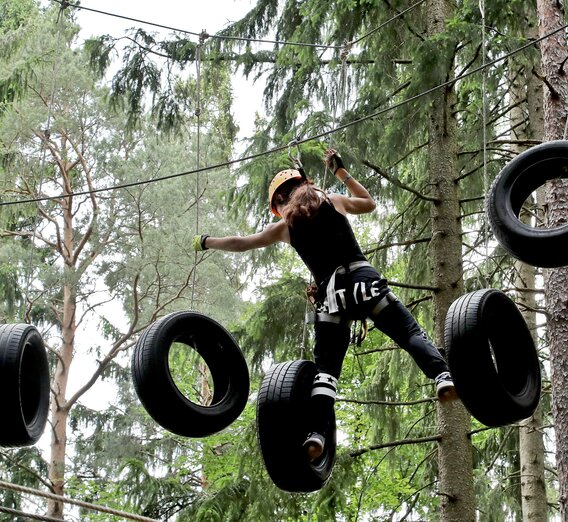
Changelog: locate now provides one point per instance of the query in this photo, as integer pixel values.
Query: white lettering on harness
(341, 293)
(360, 286)
(375, 289)
(364, 293)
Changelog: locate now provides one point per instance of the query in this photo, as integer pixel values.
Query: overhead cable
(65, 3)
(386, 22)
(80, 503)
(28, 516)
(304, 140)
(185, 31)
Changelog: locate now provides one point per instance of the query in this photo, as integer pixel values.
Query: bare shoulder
(338, 201)
(278, 231)
(353, 204)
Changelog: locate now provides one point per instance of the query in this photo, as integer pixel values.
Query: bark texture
(534, 501)
(454, 422)
(554, 60)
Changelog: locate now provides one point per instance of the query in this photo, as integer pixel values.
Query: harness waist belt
(383, 303)
(330, 290)
(315, 317)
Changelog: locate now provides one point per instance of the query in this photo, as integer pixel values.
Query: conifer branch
(398, 243)
(398, 183)
(413, 286)
(389, 403)
(402, 442)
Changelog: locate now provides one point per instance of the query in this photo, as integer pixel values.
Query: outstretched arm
(360, 202)
(273, 233)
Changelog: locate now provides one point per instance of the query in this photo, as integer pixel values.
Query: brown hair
(304, 203)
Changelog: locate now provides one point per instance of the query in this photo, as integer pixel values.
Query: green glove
(198, 242)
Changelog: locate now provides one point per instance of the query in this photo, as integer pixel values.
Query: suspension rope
(241, 38)
(202, 39)
(386, 22)
(79, 503)
(45, 138)
(280, 148)
(484, 130)
(340, 100)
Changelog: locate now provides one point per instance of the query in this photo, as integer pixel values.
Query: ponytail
(304, 203)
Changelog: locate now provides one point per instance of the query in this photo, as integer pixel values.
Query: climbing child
(348, 286)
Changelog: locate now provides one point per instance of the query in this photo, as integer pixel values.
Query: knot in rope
(64, 4)
(203, 36)
(346, 50)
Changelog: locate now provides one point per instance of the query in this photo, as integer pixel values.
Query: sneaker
(314, 445)
(445, 388)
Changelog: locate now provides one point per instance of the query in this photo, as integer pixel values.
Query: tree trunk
(455, 449)
(59, 409)
(531, 444)
(554, 58)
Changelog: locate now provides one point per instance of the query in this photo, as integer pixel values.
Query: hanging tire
(282, 427)
(545, 247)
(492, 358)
(24, 385)
(160, 395)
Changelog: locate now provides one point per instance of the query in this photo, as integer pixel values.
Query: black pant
(363, 289)
(332, 341)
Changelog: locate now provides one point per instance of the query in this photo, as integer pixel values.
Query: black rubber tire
(492, 357)
(157, 390)
(545, 247)
(282, 427)
(24, 385)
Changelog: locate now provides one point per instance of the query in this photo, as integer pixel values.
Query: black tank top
(325, 242)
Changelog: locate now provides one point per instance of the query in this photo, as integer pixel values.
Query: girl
(348, 286)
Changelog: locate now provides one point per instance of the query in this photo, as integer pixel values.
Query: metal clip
(296, 160)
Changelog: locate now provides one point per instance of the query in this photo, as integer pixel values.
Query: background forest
(116, 150)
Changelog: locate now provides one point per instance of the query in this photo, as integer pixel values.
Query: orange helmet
(284, 176)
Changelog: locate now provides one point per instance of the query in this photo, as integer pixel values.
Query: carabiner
(296, 160)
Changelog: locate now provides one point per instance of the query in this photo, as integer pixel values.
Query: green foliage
(142, 237)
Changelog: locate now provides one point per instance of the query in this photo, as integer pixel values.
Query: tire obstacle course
(486, 338)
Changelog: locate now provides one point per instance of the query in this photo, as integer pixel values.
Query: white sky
(211, 16)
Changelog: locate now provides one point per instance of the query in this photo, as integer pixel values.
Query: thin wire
(242, 38)
(484, 132)
(217, 36)
(280, 148)
(80, 503)
(198, 163)
(414, 6)
(341, 99)
(45, 138)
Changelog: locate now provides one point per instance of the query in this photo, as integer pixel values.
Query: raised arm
(360, 201)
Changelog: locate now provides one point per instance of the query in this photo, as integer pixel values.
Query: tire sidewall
(157, 390)
(24, 378)
(492, 358)
(544, 247)
(282, 425)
